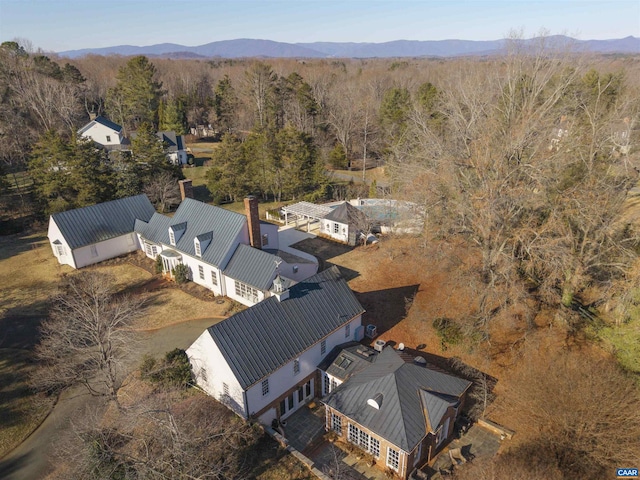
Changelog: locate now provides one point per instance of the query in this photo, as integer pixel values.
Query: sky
(59, 25)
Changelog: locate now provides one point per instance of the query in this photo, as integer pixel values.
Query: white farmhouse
(104, 132)
(89, 235)
(262, 362)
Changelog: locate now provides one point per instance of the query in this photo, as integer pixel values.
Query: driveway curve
(33, 458)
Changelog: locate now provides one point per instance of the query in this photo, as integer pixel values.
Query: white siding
(54, 234)
(328, 228)
(272, 232)
(210, 371)
(283, 379)
(99, 133)
(97, 252)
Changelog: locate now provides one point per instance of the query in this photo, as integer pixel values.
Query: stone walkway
(478, 442)
(304, 431)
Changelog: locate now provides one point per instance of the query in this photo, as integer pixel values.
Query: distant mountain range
(400, 48)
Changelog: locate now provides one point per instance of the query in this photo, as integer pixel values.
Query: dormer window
(196, 245)
(176, 231)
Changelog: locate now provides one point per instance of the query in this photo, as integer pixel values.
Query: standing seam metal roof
(400, 419)
(347, 214)
(252, 266)
(103, 221)
(263, 338)
(103, 121)
(200, 219)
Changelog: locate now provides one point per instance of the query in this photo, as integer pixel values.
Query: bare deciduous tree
(86, 336)
(163, 191)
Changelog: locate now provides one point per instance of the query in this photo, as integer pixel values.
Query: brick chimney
(253, 221)
(186, 190)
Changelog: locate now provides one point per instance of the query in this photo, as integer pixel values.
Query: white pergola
(305, 210)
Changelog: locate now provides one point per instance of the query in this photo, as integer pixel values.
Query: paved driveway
(31, 460)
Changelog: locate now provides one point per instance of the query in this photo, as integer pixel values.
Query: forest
(529, 160)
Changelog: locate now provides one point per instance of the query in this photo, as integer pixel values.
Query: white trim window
(336, 423)
(265, 239)
(196, 245)
(60, 250)
(336, 228)
(214, 277)
(94, 251)
(265, 387)
(347, 330)
(323, 347)
(353, 433)
(393, 459)
(374, 447)
(245, 291)
(172, 237)
(296, 366)
(201, 272)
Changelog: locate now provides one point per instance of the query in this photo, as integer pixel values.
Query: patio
(304, 431)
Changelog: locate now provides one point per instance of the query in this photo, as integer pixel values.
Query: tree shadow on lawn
(12, 245)
(386, 308)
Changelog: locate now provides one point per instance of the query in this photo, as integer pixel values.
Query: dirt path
(33, 458)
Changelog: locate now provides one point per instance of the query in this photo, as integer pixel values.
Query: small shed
(345, 223)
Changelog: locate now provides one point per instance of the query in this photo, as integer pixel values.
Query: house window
(336, 423)
(196, 244)
(347, 330)
(265, 240)
(296, 366)
(201, 272)
(290, 399)
(393, 459)
(295, 269)
(323, 347)
(353, 433)
(265, 387)
(374, 447)
(300, 394)
(214, 277)
(308, 388)
(94, 251)
(327, 384)
(245, 291)
(225, 389)
(151, 250)
(172, 237)
(108, 138)
(364, 440)
(336, 228)
(60, 250)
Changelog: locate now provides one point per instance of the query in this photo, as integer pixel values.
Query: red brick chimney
(186, 189)
(253, 221)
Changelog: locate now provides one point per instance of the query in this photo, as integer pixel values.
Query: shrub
(448, 331)
(338, 157)
(174, 370)
(158, 267)
(181, 273)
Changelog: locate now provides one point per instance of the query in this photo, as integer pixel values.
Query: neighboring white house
(174, 146)
(104, 132)
(89, 235)
(229, 253)
(262, 362)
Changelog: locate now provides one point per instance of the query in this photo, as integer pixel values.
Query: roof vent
(376, 401)
(401, 347)
(420, 361)
(379, 345)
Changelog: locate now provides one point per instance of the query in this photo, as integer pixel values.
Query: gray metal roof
(259, 340)
(100, 222)
(104, 121)
(252, 266)
(172, 142)
(347, 214)
(200, 218)
(346, 359)
(400, 419)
